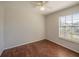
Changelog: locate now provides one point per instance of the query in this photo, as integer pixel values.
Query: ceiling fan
(40, 4)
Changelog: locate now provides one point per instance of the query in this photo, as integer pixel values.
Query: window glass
(76, 16)
(69, 27)
(62, 21)
(69, 20)
(75, 22)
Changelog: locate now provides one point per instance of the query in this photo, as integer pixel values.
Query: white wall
(23, 24)
(52, 28)
(1, 29)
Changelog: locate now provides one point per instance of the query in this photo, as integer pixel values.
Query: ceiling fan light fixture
(42, 8)
(40, 5)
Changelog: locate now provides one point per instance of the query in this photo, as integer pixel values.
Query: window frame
(72, 19)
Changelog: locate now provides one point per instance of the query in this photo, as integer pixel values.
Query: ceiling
(50, 6)
(53, 6)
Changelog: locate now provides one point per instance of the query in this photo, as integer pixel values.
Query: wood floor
(43, 48)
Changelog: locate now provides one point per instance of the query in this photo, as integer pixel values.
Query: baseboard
(23, 44)
(64, 46)
(40, 40)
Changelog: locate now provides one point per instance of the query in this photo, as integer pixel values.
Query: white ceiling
(53, 6)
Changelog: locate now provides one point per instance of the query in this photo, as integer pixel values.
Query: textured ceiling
(50, 6)
(53, 6)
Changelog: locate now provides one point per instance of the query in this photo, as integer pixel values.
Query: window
(69, 27)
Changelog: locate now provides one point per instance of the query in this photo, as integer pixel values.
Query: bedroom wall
(23, 24)
(1, 29)
(52, 26)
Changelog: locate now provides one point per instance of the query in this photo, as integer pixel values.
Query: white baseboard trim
(65, 46)
(23, 44)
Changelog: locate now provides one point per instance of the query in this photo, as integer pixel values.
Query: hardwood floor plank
(43, 48)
